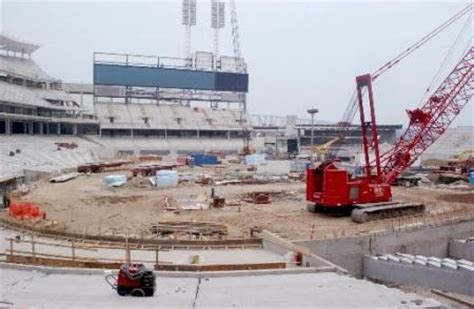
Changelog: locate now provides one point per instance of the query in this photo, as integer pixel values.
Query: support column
(228, 134)
(198, 134)
(131, 133)
(41, 125)
(166, 134)
(31, 128)
(58, 127)
(74, 129)
(25, 128)
(8, 127)
(47, 128)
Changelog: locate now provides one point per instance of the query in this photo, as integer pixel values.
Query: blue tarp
(200, 159)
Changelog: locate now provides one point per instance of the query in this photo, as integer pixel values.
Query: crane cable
(352, 108)
(449, 54)
(421, 42)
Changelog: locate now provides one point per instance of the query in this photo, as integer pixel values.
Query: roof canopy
(11, 44)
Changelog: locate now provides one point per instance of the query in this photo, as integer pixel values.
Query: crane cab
(331, 187)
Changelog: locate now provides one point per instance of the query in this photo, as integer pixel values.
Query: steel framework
(430, 121)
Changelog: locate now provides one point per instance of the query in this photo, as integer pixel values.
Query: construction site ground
(87, 205)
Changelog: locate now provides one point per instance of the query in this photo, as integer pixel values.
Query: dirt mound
(467, 198)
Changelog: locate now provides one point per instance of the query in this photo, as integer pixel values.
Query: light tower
(235, 35)
(217, 22)
(312, 112)
(189, 20)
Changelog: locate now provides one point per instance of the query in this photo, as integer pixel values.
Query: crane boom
(430, 121)
(352, 107)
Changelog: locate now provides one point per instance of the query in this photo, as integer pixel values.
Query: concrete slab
(30, 288)
(20, 288)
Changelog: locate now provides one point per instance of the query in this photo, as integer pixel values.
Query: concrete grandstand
(110, 121)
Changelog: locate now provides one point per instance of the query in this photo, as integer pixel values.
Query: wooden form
(186, 227)
(199, 244)
(74, 260)
(39, 258)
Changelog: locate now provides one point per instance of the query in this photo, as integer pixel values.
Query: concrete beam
(454, 280)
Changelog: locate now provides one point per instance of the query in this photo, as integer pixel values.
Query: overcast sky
(299, 54)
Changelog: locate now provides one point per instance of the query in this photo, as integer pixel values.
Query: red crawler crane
(369, 197)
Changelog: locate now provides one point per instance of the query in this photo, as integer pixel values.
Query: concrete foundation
(349, 252)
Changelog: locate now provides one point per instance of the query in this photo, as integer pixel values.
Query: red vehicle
(369, 196)
(134, 280)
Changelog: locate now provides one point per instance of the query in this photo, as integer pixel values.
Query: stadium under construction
(158, 163)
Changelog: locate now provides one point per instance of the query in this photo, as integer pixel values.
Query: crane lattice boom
(430, 121)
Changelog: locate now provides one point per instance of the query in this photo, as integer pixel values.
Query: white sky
(299, 54)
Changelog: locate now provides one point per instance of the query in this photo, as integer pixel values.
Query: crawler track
(380, 211)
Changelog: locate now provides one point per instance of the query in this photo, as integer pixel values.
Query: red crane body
(331, 187)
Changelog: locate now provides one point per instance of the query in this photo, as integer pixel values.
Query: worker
(5, 201)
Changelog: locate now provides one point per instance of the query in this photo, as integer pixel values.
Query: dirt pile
(467, 198)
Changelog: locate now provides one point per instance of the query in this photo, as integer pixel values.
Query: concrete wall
(461, 249)
(33, 176)
(348, 252)
(278, 245)
(459, 281)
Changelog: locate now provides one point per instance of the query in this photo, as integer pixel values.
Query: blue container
(471, 178)
(200, 159)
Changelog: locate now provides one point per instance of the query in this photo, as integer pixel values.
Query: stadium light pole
(312, 111)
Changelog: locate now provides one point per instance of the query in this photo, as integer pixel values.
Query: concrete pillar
(74, 129)
(197, 134)
(131, 133)
(58, 128)
(166, 134)
(31, 128)
(25, 128)
(228, 134)
(8, 127)
(47, 128)
(100, 133)
(41, 125)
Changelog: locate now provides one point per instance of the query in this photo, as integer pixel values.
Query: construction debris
(150, 169)
(218, 202)
(189, 228)
(68, 145)
(100, 166)
(64, 177)
(115, 180)
(449, 178)
(258, 198)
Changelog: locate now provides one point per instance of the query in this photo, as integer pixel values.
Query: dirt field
(86, 205)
